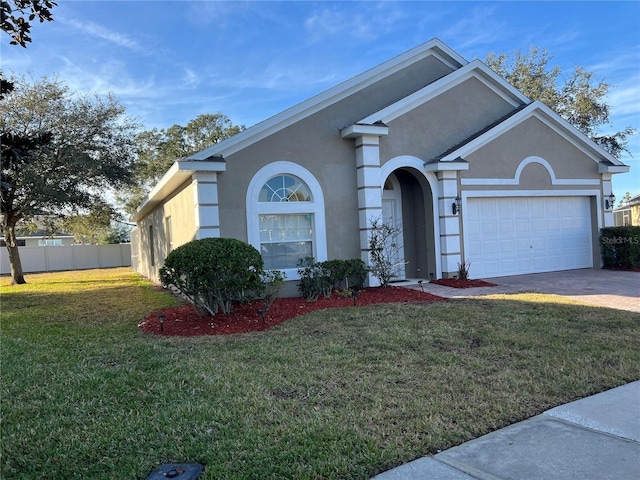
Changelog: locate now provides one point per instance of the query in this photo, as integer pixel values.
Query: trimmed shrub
(213, 272)
(272, 281)
(314, 279)
(620, 247)
(320, 278)
(346, 274)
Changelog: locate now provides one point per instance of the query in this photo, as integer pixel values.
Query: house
(41, 239)
(628, 213)
(462, 163)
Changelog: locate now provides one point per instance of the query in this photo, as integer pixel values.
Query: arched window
(284, 188)
(285, 216)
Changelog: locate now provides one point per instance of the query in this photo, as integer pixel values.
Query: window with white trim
(285, 216)
(285, 238)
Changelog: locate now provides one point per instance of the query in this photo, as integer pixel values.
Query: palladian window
(285, 238)
(285, 216)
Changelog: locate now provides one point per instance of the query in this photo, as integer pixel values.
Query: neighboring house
(628, 213)
(41, 239)
(404, 142)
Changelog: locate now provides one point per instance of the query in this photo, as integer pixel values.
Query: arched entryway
(409, 198)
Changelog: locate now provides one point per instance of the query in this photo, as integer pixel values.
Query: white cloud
(625, 99)
(478, 27)
(372, 22)
(98, 31)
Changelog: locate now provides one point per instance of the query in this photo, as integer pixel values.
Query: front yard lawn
(335, 394)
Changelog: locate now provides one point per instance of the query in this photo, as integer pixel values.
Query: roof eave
(328, 97)
(180, 172)
(607, 168)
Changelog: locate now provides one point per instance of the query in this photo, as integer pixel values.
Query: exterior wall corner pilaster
(205, 201)
(450, 233)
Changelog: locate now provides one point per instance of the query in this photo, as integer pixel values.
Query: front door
(392, 215)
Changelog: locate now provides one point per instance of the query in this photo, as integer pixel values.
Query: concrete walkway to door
(606, 288)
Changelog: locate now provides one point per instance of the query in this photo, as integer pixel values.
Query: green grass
(337, 394)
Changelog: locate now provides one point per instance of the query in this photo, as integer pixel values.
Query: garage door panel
(489, 228)
(510, 236)
(490, 247)
(505, 208)
(507, 227)
(538, 224)
(553, 223)
(524, 265)
(522, 225)
(507, 246)
(522, 245)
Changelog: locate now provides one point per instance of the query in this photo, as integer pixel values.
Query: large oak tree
(159, 148)
(579, 97)
(16, 17)
(61, 152)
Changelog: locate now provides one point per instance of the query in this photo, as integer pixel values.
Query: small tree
(272, 281)
(384, 251)
(624, 200)
(213, 272)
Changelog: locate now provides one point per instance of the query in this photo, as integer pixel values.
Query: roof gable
(537, 109)
(475, 69)
(434, 47)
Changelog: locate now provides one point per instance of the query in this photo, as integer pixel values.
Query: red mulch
(185, 321)
(459, 283)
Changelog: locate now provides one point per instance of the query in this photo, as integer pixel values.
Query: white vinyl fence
(75, 257)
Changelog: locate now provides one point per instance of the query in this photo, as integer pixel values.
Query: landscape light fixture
(456, 206)
(609, 201)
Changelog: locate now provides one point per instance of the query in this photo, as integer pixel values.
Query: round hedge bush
(213, 272)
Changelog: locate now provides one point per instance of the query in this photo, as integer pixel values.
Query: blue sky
(169, 61)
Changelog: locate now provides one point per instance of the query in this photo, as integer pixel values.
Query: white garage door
(518, 235)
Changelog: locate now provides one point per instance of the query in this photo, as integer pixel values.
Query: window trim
(315, 207)
(169, 228)
(152, 255)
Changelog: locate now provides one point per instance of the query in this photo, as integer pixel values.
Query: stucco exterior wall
(315, 143)
(443, 122)
(501, 157)
(180, 208)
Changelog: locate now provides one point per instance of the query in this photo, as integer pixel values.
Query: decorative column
(607, 189)
(205, 201)
(367, 144)
(449, 222)
(450, 245)
(606, 170)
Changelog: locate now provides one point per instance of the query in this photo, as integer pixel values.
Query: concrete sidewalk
(596, 438)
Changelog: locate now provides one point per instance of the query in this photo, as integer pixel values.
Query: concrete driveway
(607, 288)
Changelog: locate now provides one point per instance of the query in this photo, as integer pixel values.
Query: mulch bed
(185, 321)
(459, 283)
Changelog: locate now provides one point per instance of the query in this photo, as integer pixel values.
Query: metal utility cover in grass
(180, 471)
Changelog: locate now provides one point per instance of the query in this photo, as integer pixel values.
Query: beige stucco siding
(315, 144)
(441, 123)
(501, 157)
(635, 215)
(180, 208)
